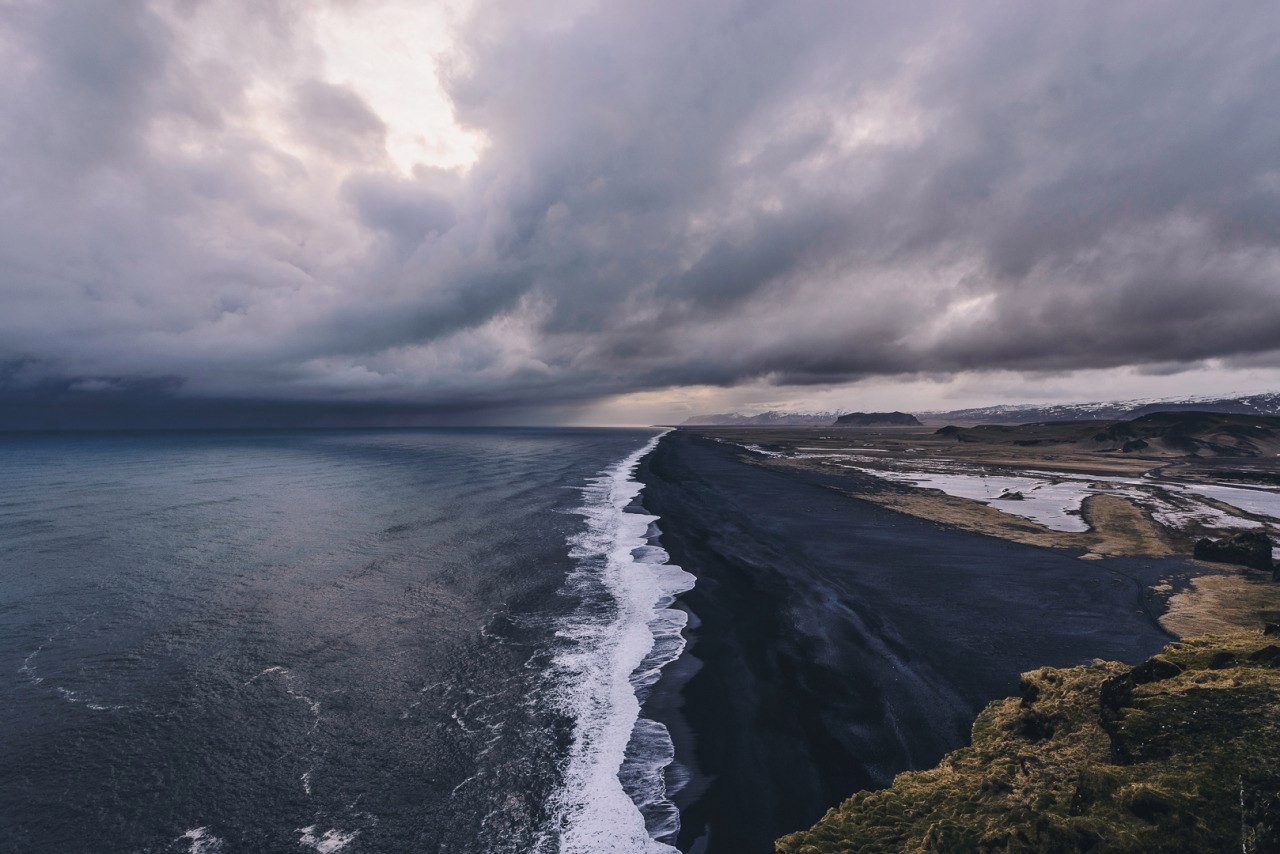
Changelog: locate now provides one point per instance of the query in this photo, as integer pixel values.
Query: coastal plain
(834, 642)
(850, 622)
(1156, 501)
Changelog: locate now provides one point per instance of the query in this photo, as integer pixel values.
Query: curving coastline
(834, 643)
(614, 795)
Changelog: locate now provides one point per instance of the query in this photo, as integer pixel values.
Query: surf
(613, 648)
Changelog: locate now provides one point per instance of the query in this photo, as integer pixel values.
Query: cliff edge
(1180, 753)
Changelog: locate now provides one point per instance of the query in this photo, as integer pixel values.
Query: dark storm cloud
(406, 212)
(671, 194)
(92, 70)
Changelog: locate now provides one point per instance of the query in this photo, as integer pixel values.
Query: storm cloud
(199, 206)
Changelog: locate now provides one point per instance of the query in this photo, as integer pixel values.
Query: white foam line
(288, 676)
(756, 449)
(603, 650)
(463, 783)
(458, 720)
(330, 841)
(276, 669)
(28, 667)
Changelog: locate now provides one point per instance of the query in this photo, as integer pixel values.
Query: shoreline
(759, 706)
(605, 797)
(684, 780)
(1130, 505)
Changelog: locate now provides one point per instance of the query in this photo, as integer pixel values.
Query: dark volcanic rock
(878, 419)
(1220, 660)
(1269, 655)
(951, 431)
(1154, 669)
(1246, 548)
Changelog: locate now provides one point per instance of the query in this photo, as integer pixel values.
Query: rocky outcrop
(1245, 548)
(1181, 753)
(1195, 433)
(877, 419)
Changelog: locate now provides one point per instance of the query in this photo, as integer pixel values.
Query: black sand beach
(834, 643)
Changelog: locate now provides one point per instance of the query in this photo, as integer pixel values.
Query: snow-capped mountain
(1026, 413)
(773, 418)
(1255, 404)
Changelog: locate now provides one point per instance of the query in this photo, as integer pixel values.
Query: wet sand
(836, 642)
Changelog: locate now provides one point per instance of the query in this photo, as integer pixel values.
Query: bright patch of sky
(393, 54)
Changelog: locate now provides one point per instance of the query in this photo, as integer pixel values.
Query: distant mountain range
(1027, 413)
(1176, 433)
(773, 418)
(1256, 404)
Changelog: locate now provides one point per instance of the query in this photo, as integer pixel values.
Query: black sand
(835, 643)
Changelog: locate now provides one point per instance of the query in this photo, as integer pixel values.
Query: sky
(385, 211)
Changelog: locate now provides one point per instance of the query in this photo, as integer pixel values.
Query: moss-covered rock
(1181, 753)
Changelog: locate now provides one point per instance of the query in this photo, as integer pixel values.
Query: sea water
(416, 640)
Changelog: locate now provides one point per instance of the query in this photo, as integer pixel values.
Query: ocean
(355, 641)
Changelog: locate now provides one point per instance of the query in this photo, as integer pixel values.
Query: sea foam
(202, 842)
(329, 842)
(613, 651)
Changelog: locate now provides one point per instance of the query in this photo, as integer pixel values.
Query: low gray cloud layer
(670, 194)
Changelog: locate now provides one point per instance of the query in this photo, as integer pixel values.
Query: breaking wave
(614, 796)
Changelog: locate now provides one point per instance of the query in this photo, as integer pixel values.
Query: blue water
(332, 641)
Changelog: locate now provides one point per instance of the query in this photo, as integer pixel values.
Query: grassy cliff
(1181, 753)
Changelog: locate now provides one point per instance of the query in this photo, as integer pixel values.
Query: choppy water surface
(329, 641)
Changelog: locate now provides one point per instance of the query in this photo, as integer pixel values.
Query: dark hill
(1181, 433)
(877, 419)
(1257, 404)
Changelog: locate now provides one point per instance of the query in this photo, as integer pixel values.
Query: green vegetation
(1178, 754)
